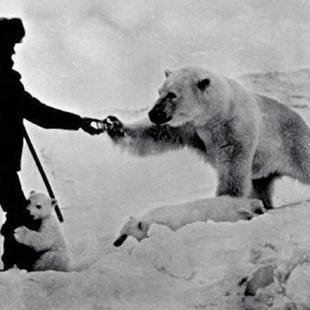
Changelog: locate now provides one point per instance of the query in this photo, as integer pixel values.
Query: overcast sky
(89, 55)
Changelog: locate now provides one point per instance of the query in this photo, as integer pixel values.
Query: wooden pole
(43, 174)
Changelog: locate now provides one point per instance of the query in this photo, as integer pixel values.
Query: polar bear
(48, 240)
(219, 209)
(250, 139)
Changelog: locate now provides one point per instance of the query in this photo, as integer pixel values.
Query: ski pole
(43, 175)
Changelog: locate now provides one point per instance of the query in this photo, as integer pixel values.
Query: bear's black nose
(120, 240)
(158, 116)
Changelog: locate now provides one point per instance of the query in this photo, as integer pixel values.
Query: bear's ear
(167, 72)
(203, 84)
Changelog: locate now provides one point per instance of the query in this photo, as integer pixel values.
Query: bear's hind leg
(262, 189)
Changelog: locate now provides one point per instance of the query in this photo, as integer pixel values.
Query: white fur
(47, 239)
(249, 139)
(220, 209)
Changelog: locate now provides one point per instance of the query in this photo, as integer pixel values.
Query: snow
(201, 266)
(198, 266)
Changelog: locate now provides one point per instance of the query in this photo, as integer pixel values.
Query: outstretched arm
(144, 138)
(45, 116)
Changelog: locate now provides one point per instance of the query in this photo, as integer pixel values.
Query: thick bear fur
(219, 209)
(250, 139)
(48, 240)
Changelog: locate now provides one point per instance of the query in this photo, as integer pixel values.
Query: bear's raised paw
(114, 127)
(20, 234)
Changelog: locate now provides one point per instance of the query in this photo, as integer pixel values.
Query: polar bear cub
(48, 240)
(219, 209)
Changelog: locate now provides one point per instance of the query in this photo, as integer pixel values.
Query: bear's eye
(140, 226)
(171, 95)
(38, 207)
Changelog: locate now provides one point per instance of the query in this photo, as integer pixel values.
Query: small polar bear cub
(48, 240)
(219, 209)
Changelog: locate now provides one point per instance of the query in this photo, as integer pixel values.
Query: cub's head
(40, 206)
(135, 228)
(189, 95)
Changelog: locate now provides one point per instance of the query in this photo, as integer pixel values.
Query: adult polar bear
(248, 138)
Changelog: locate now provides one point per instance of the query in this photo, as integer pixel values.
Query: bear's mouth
(160, 119)
(159, 116)
(120, 240)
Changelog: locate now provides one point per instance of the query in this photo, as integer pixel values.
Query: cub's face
(133, 227)
(181, 98)
(40, 206)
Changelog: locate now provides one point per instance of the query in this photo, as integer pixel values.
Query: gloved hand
(92, 126)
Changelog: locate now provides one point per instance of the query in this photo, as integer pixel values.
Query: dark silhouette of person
(16, 104)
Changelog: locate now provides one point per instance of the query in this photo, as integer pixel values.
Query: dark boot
(14, 202)
(15, 253)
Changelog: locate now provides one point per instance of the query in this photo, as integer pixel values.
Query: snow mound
(201, 266)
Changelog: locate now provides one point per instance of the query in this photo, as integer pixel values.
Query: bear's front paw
(20, 234)
(114, 127)
(245, 214)
(257, 207)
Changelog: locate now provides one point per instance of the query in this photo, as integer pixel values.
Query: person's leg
(14, 203)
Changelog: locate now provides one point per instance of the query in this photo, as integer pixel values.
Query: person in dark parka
(16, 104)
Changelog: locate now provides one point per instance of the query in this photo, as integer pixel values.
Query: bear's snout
(158, 115)
(120, 240)
(28, 212)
